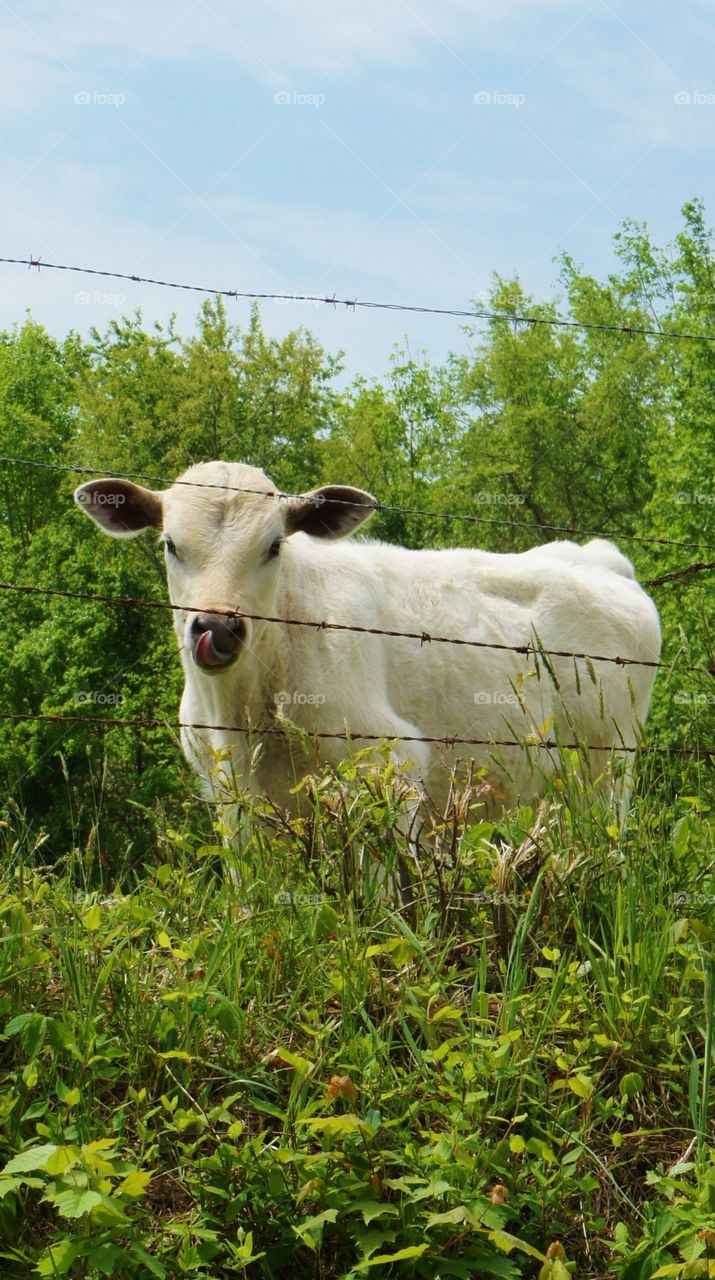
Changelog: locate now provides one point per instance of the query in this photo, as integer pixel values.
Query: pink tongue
(206, 652)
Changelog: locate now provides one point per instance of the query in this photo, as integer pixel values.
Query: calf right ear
(119, 507)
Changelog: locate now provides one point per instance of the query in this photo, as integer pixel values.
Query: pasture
(250, 1059)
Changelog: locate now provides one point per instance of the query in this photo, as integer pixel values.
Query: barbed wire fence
(376, 506)
(424, 637)
(353, 304)
(446, 740)
(527, 650)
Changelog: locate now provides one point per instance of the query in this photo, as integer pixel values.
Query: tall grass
(337, 1052)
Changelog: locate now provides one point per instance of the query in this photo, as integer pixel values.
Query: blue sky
(391, 151)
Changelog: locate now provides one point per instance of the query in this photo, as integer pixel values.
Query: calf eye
(170, 546)
(275, 547)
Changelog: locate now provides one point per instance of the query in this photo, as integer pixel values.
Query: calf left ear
(331, 512)
(119, 507)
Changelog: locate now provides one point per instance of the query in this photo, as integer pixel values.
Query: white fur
(570, 597)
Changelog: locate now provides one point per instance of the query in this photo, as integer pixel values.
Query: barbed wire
(352, 304)
(446, 740)
(425, 637)
(110, 473)
(699, 567)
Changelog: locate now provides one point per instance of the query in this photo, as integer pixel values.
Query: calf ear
(331, 512)
(119, 507)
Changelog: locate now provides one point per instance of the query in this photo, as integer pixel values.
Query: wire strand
(425, 637)
(447, 740)
(384, 507)
(353, 303)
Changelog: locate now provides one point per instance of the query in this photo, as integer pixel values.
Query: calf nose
(216, 639)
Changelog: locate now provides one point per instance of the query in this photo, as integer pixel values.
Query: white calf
(228, 550)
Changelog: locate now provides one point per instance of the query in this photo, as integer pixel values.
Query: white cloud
(275, 40)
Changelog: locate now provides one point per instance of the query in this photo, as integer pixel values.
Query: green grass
(279, 1071)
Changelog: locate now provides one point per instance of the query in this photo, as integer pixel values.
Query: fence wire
(353, 304)
(446, 740)
(377, 506)
(425, 637)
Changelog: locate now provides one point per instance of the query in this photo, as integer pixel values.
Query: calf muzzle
(216, 640)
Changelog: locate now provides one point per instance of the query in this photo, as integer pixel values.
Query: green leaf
(631, 1084)
(369, 1241)
(61, 1160)
(554, 1269)
(152, 1264)
(433, 1190)
(33, 1036)
(301, 1065)
(33, 1158)
(505, 1241)
(59, 1258)
(75, 1201)
(311, 1230)
(16, 1024)
(106, 1257)
(694, 1087)
(13, 1184)
(447, 1012)
(135, 1183)
(371, 1209)
(452, 1216)
(337, 1126)
(581, 1085)
(92, 919)
(412, 1251)
(30, 1075)
(536, 1147)
(270, 1108)
(70, 1097)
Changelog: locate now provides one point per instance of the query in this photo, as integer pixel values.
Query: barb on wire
(527, 649)
(353, 303)
(699, 567)
(445, 740)
(571, 530)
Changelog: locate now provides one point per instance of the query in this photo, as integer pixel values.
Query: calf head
(223, 528)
